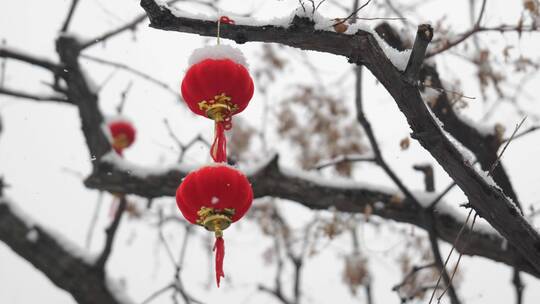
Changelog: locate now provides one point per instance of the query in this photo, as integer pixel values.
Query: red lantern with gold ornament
(214, 197)
(217, 85)
(123, 134)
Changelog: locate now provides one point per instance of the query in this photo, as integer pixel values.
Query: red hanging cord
(219, 248)
(218, 151)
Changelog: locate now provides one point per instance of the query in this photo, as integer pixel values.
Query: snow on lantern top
(220, 51)
(217, 85)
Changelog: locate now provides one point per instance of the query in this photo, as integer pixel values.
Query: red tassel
(219, 248)
(219, 146)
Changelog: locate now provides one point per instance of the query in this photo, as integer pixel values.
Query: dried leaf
(404, 143)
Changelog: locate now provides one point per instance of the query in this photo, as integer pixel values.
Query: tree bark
(62, 264)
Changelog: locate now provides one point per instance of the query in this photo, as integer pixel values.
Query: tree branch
(30, 59)
(64, 266)
(136, 72)
(270, 180)
(20, 94)
(486, 199)
(418, 52)
(69, 16)
(364, 122)
(362, 48)
(79, 90)
(111, 233)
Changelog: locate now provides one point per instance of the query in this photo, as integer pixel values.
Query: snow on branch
(312, 191)
(301, 29)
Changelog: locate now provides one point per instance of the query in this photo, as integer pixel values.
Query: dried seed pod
(340, 26)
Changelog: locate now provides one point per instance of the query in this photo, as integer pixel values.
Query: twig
(183, 147)
(379, 160)
(342, 159)
(93, 221)
(481, 14)
(302, 4)
(379, 18)
(450, 254)
(107, 80)
(518, 286)
(476, 28)
(457, 263)
(505, 146)
(111, 233)
(441, 267)
(3, 67)
(157, 293)
(352, 14)
(396, 11)
(530, 130)
(441, 90)
(128, 26)
(411, 274)
(177, 283)
(183, 249)
(19, 94)
(69, 16)
(440, 196)
(279, 296)
(136, 72)
(123, 97)
(318, 5)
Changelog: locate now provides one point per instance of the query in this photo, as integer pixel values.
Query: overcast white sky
(43, 156)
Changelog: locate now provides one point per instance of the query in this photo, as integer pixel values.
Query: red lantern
(215, 197)
(123, 134)
(226, 20)
(217, 86)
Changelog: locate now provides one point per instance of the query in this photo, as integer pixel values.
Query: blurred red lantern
(217, 86)
(214, 197)
(226, 20)
(123, 134)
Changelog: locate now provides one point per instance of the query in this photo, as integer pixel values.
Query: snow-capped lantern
(217, 85)
(214, 197)
(123, 134)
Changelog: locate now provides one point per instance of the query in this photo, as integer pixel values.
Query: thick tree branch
(270, 180)
(64, 266)
(488, 200)
(80, 91)
(362, 48)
